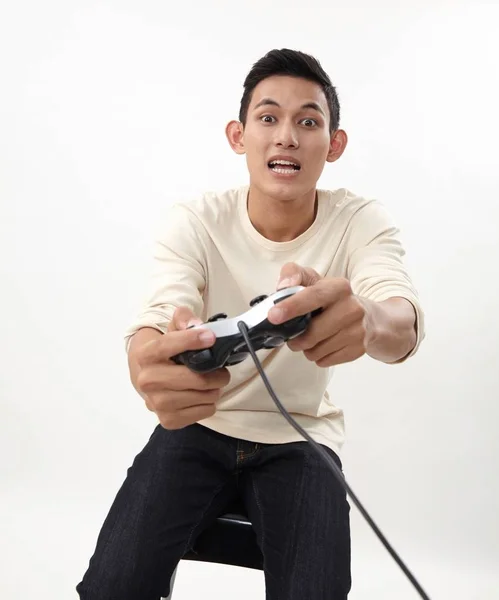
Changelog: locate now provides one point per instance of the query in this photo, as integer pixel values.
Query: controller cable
(243, 328)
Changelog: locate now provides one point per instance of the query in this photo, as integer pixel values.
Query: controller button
(258, 299)
(217, 317)
(198, 358)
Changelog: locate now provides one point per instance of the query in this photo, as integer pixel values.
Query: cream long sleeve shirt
(211, 259)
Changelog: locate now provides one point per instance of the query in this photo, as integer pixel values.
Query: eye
(309, 122)
(267, 119)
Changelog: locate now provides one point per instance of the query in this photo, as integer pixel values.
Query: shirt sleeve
(179, 273)
(376, 268)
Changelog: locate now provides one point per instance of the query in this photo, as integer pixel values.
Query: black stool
(230, 540)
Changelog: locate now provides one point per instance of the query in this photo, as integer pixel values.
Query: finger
(294, 274)
(175, 342)
(184, 378)
(337, 326)
(351, 336)
(347, 354)
(320, 295)
(182, 318)
(305, 301)
(316, 332)
(157, 377)
(187, 417)
(173, 402)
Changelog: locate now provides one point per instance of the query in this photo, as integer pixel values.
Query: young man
(220, 436)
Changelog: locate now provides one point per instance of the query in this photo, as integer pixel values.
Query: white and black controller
(230, 348)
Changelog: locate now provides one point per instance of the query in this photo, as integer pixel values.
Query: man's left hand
(341, 332)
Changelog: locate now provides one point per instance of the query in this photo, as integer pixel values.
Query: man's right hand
(176, 394)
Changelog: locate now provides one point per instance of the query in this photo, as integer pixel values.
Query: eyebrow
(270, 102)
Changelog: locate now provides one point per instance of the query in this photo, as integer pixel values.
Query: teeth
(277, 170)
(283, 162)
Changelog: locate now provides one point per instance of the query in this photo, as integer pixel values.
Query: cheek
(255, 151)
(323, 150)
(254, 162)
(318, 153)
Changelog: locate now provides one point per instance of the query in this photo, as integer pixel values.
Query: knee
(117, 582)
(109, 582)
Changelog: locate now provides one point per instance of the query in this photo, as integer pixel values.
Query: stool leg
(172, 581)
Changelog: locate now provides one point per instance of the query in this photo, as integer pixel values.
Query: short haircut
(292, 63)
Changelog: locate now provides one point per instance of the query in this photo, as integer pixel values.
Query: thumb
(294, 274)
(183, 317)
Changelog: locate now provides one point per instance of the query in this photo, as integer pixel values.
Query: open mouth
(284, 167)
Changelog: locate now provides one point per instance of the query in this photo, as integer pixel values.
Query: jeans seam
(208, 506)
(241, 455)
(245, 455)
(260, 511)
(291, 546)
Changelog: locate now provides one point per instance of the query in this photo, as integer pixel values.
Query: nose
(286, 136)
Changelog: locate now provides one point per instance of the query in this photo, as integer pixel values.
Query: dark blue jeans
(184, 479)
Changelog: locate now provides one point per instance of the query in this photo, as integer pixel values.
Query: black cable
(243, 328)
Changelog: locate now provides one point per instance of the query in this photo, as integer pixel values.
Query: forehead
(289, 92)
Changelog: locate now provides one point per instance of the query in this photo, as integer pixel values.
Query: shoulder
(198, 217)
(358, 216)
(211, 207)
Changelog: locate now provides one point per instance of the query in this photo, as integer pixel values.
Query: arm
(379, 278)
(178, 279)
(393, 323)
(374, 310)
(179, 274)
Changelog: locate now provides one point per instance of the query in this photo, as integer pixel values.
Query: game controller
(230, 348)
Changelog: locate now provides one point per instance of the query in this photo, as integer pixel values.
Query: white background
(112, 110)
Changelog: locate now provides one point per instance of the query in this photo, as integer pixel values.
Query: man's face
(288, 120)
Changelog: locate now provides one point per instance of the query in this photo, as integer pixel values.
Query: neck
(281, 220)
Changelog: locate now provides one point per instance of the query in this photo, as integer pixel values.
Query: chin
(283, 190)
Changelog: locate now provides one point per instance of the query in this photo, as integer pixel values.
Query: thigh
(301, 517)
(179, 482)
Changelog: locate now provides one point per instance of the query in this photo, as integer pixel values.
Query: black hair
(295, 64)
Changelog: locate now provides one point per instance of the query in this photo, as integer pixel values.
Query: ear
(235, 134)
(337, 145)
